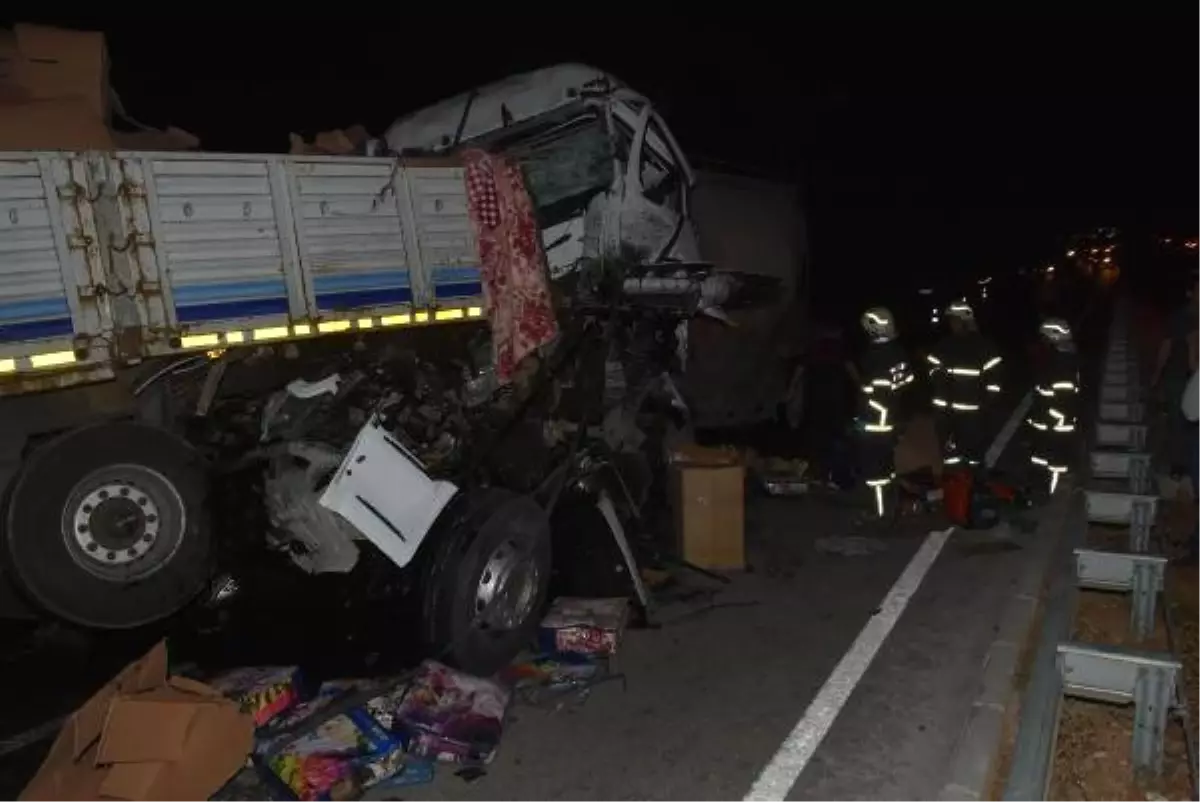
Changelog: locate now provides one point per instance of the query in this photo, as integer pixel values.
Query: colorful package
(584, 626)
(264, 691)
(339, 759)
(293, 720)
(445, 714)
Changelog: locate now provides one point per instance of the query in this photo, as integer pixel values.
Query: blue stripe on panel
(368, 280)
(335, 301)
(192, 294)
(39, 307)
(231, 310)
(36, 329)
(466, 289)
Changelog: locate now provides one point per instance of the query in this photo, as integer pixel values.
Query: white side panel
(36, 300)
(445, 239)
(218, 241)
(351, 234)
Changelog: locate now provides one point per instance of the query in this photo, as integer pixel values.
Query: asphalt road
(712, 694)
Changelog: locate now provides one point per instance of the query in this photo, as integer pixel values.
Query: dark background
(927, 145)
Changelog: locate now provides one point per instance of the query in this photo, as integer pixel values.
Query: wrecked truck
(333, 307)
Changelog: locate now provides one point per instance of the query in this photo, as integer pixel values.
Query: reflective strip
(879, 500)
(1064, 427)
(868, 389)
(952, 460)
(939, 402)
(964, 371)
(1070, 386)
(1042, 391)
(901, 382)
(213, 339)
(877, 427)
(881, 383)
(878, 482)
(965, 407)
(1036, 460)
(991, 363)
(933, 360)
(53, 359)
(1037, 425)
(878, 407)
(993, 388)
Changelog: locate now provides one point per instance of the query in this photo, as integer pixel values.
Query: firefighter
(884, 374)
(1055, 393)
(964, 372)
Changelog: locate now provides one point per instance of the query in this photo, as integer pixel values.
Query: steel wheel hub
(507, 588)
(123, 522)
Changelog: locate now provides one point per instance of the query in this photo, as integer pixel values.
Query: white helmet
(879, 324)
(961, 310)
(1056, 330)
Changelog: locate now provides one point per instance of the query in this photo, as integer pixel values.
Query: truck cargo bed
(113, 257)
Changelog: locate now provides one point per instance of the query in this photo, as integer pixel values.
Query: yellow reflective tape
(333, 326)
(395, 320)
(421, 317)
(301, 329)
(52, 359)
(8, 365)
(474, 311)
(365, 323)
(200, 340)
(272, 333)
(234, 337)
(449, 314)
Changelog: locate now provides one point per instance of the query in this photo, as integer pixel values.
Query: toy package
(584, 626)
(264, 691)
(445, 714)
(338, 759)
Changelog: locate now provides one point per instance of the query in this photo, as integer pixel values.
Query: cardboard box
(919, 448)
(63, 124)
(145, 735)
(54, 63)
(709, 487)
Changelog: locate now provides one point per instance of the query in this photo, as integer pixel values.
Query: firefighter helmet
(1055, 330)
(879, 324)
(961, 310)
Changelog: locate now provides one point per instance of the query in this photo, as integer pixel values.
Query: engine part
(318, 540)
(382, 489)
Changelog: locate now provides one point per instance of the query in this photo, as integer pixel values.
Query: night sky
(925, 145)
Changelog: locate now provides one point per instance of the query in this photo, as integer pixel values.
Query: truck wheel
(106, 526)
(486, 584)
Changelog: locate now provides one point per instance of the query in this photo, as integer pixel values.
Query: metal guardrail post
(1140, 575)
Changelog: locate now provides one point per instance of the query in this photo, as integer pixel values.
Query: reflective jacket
(885, 373)
(964, 372)
(1056, 393)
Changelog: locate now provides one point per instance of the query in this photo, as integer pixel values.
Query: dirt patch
(1183, 598)
(1103, 619)
(1108, 538)
(1092, 758)
(1093, 754)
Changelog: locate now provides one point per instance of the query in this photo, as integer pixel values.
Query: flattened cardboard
(144, 736)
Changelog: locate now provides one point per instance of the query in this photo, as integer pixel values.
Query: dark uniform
(1053, 413)
(964, 371)
(886, 375)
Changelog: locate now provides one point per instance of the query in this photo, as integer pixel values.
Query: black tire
(475, 529)
(48, 566)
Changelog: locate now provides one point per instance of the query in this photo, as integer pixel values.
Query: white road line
(1008, 430)
(777, 778)
(780, 774)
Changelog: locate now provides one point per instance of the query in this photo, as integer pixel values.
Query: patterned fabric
(515, 278)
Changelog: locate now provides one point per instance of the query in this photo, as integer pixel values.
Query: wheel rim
(507, 588)
(123, 522)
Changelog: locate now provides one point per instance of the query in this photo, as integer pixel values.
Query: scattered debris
(850, 545)
(146, 735)
(263, 692)
(585, 626)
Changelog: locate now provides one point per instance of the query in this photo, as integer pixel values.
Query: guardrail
(1118, 492)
